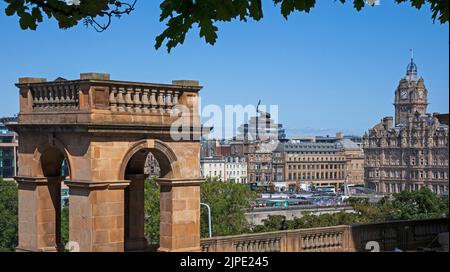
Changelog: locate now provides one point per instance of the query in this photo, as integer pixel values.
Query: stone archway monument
(103, 129)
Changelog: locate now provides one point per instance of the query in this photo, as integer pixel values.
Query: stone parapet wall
(405, 235)
(101, 101)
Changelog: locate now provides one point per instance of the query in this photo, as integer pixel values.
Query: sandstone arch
(40, 198)
(100, 126)
(163, 154)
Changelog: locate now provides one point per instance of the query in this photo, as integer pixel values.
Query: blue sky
(333, 69)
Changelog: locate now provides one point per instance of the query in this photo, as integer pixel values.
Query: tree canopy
(8, 215)
(229, 202)
(151, 211)
(179, 15)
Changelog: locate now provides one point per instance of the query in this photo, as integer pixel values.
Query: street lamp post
(209, 218)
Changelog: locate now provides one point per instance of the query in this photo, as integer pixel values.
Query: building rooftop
(4, 131)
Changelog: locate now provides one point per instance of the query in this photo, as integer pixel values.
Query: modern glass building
(8, 149)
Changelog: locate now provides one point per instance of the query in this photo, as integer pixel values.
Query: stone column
(180, 215)
(134, 213)
(96, 215)
(39, 214)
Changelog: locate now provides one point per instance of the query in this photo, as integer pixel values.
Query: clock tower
(410, 96)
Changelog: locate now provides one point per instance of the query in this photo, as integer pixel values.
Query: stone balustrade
(329, 241)
(122, 98)
(142, 100)
(95, 99)
(304, 240)
(405, 235)
(55, 97)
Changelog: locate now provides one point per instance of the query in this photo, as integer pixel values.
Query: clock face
(404, 94)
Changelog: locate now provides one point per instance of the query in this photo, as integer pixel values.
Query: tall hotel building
(410, 151)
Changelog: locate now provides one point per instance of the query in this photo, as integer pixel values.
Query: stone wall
(405, 235)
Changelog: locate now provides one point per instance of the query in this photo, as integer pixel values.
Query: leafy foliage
(152, 211)
(32, 12)
(379, 212)
(420, 204)
(8, 215)
(229, 202)
(180, 15)
(65, 225)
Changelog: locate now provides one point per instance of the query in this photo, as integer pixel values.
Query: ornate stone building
(413, 152)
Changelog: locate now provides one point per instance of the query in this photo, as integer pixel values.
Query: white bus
(326, 189)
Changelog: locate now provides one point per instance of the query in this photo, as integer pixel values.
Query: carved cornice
(37, 180)
(116, 184)
(180, 182)
(109, 83)
(162, 131)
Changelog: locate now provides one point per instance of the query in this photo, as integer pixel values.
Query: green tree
(65, 225)
(272, 223)
(420, 204)
(372, 212)
(8, 215)
(229, 202)
(179, 15)
(152, 211)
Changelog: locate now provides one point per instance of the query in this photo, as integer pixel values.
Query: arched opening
(142, 207)
(55, 168)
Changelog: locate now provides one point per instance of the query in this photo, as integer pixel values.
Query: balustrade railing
(96, 99)
(406, 235)
(263, 244)
(141, 100)
(331, 241)
(65, 97)
(55, 98)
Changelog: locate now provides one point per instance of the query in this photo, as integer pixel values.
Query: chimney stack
(388, 122)
(95, 76)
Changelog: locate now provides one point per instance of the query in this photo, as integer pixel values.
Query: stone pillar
(96, 215)
(134, 213)
(39, 214)
(180, 215)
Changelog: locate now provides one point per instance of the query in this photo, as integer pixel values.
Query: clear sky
(333, 69)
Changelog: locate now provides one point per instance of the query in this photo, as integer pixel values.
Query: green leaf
(256, 9)
(36, 13)
(10, 10)
(358, 4)
(27, 21)
(208, 31)
(287, 6)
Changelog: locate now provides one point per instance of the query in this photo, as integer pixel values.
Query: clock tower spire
(411, 95)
